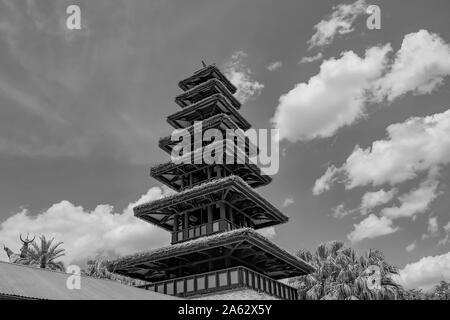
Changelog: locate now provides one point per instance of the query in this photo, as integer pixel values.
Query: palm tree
(98, 268)
(46, 254)
(340, 274)
(441, 291)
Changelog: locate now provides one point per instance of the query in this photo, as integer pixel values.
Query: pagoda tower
(215, 251)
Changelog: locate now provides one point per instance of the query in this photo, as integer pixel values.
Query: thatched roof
(206, 108)
(204, 74)
(261, 211)
(205, 89)
(205, 243)
(170, 172)
(219, 121)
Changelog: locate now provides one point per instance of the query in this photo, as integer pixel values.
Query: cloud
(341, 92)
(433, 226)
(339, 22)
(411, 247)
(420, 66)
(312, 58)
(415, 202)
(241, 77)
(447, 231)
(374, 199)
(288, 201)
(333, 98)
(340, 211)
(426, 272)
(420, 144)
(274, 66)
(86, 233)
(371, 227)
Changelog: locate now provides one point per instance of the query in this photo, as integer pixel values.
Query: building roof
(26, 282)
(206, 108)
(232, 190)
(206, 89)
(220, 121)
(246, 246)
(171, 173)
(204, 74)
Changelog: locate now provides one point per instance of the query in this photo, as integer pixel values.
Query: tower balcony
(218, 199)
(230, 279)
(221, 225)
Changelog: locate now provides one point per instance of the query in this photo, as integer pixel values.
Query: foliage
(45, 254)
(341, 275)
(441, 291)
(98, 268)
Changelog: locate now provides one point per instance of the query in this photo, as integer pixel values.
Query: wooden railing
(225, 279)
(202, 230)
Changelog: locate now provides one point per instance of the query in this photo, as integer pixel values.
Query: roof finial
(204, 64)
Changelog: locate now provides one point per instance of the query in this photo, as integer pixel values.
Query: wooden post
(222, 210)
(186, 226)
(208, 169)
(219, 172)
(210, 213)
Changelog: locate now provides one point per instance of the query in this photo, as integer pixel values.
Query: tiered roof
(210, 195)
(245, 246)
(219, 121)
(231, 190)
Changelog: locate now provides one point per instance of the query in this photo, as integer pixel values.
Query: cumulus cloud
(433, 226)
(369, 201)
(287, 202)
(447, 231)
(324, 182)
(415, 202)
(241, 77)
(341, 92)
(340, 211)
(333, 98)
(371, 227)
(426, 272)
(339, 22)
(274, 66)
(420, 144)
(411, 247)
(86, 233)
(374, 199)
(420, 66)
(312, 58)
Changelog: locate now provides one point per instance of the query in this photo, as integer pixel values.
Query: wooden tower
(213, 216)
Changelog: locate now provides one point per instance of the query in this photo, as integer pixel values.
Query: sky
(363, 115)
